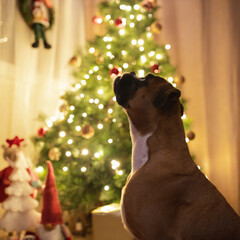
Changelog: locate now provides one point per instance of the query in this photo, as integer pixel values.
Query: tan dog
(166, 196)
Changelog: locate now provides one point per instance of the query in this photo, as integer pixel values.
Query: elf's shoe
(35, 44)
(46, 45)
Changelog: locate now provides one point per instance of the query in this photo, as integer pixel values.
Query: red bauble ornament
(114, 72)
(97, 20)
(148, 5)
(119, 23)
(155, 68)
(42, 132)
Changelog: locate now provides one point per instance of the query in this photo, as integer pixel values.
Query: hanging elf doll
(39, 16)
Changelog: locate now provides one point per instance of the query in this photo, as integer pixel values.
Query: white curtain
(205, 39)
(31, 80)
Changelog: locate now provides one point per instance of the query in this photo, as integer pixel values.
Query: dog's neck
(139, 148)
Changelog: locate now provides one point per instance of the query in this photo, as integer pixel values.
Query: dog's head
(147, 99)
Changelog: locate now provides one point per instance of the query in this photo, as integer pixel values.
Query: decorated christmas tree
(88, 140)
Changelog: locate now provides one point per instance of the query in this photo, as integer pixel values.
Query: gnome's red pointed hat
(51, 212)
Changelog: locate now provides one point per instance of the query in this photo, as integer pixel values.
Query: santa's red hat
(51, 212)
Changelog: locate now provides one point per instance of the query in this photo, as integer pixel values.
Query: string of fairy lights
(151, 57)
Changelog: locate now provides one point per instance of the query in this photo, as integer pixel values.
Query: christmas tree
(88, 140)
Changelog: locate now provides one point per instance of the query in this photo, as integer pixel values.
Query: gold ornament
(87, 131)
(54, 154)
(156, 27)
(75, 61)
(99, 59)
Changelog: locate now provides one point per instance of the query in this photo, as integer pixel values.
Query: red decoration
(114, 72)
(148, 5)
(119, 23)
(42, 132)
(155, 68)
(15, 141)
(97, 20)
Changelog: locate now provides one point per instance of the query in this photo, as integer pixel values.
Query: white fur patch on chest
(139, 148)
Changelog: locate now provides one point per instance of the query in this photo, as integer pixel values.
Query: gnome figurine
(52, 227)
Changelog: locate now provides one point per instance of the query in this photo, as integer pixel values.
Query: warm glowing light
(65, 169)
(124, 52)
(198, 167)
(70, 141)
(100, 91)
(84, 152)
(115, 164)
(141, 73)
(151, 54)
(131, 16)
(62, 134)
(120, 172)
(114, 99)
(125, 65)
(109, 46)
(39, 169)
(84, 114)
(114, 120)
(110, 140)
(72, 108)
(78, 86)
(83, 169)
(170, 79)
(143, 59)
(70, 120)
(90, 71)
(99, 77)
(82, 95)
(108, 17)
(184, 116)
(92, 50)
(134, 42)
(78, 128)
(187, 139)
(167, 46)
(159, 56)
(140, 41)
(110, 110)
(49, 123)
(87, 77)
(141, 49)
(149, 34)
(68, 153)
(136, 7)
(132, 25)
(96, 155)
(100, 126)
(121, 32)
(139, 17)
(91, 100)
(95, 68)
(100, 106)
(106, 188)
(96, 101)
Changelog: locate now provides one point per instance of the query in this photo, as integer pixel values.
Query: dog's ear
(166, 96)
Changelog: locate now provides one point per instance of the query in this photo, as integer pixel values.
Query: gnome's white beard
(55, 234)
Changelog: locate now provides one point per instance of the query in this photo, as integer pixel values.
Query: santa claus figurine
(52, 227)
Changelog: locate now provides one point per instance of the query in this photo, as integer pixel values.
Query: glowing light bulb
(68, 153)
(95, 68)
(140, 41)
(82, 95)
(49, 123)
(141, 49)
(134, 42)
(139, 17)
(115, 164)
(114, 99)
(72, 107)
(109, 54)
(70, 120)
(109, 46)
(131, 16)
(90, 71)
(83, 169)
(84, 114)
(62, 134)
(84, 152)
(198, 167)
(99, 77)
(159, 56)
(125, 65)
(78, 128)
(100, 126)
(110, 140)
(100, 91)
(149, 34)
(92, 50)
(136, 7)
(151, 54)
(108, 16)
(78, 86)
(132, 25)
(143, 59)
(120, 172)
(65, 169)
(96, 155)
(100, 106)
(114, 120)
(121, 32)
(187, 139)
(167, 46)
(141, 73)
(70, 141)
(124, 52)
(184, 116)
(106, 188)
(96, 101)
(39, 169)
(170, 79)
(91, 100)
(129, 8)
(87, 77)
(110, 110)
